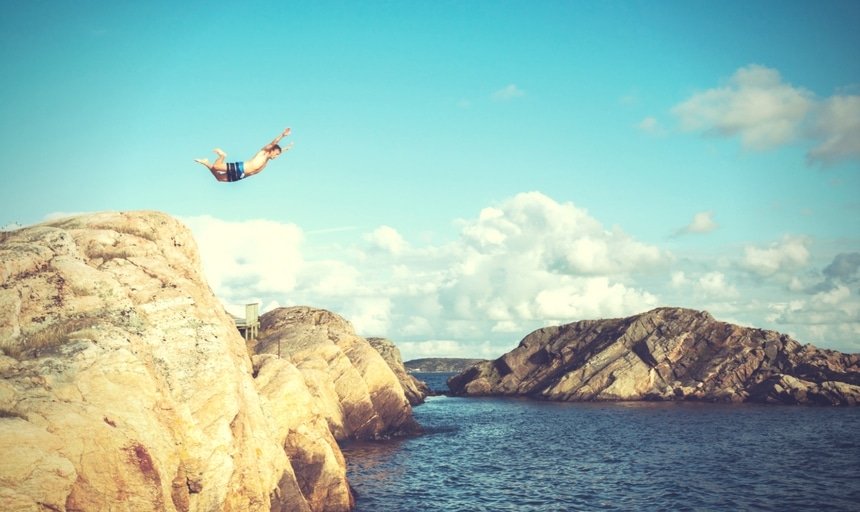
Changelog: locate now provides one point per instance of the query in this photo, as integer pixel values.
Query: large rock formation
(353, 386)
(666, 354)
(125, 385)
(416, 391)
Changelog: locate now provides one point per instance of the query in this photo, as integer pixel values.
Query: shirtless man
(235, 171)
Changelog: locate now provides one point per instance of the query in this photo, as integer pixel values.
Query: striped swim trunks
(235, 171)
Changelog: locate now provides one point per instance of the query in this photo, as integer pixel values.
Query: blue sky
(463, 172)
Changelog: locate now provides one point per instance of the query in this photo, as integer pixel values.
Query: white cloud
(714, 285)
(651, 126)
(765, 112)
(507, 326)
(433, 348)
(834, 297)
(450, 348)
(755, 105)
(788, 254)
(703, 222)
(530, 260)
(556, 237)
(830, 318)
(518, 265)
(845, 268)
(492, 229)
(679, 279)
(417, 326)
(508, 93)
(837, 125)
(371, 316)
(709, 286)
(336, 229)
(248, 259)
(387, 239)
(328, 278)
(594, 297)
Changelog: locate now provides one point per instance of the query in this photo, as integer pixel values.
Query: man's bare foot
(220, 153)
(204, 161)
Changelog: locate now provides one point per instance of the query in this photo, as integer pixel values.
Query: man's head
(275, 151)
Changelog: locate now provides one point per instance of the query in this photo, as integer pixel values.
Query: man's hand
(278, 138)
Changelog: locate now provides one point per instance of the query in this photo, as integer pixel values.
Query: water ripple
(516, 455)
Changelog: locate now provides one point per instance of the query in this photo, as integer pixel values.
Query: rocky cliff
(125, 385)
(358, 393)
(416, 391)
(666, 354)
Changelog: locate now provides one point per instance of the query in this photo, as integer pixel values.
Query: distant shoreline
(439, 364)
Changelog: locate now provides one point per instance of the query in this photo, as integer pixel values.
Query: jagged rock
(355, 389)
(666, 354)
(124, 383)
(416, 391)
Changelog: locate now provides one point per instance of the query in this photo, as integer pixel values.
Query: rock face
(302, 429)
(125, 385)
(416, 391)
(666, 354)
(356, 391)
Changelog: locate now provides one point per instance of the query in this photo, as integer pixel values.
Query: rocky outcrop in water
(125, 385)
(416, 391)
(355, 389)
(666, 354)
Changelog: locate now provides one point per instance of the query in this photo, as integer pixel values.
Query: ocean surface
(490, 454)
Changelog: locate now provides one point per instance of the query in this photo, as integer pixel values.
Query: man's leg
(219, 163)
(220, 175)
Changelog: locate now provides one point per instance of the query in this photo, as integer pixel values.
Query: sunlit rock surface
(416, 391)
(301, 428)
(355, 389)
(666, 354)
(125, 385)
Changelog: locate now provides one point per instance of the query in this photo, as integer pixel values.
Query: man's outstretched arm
(277, 139)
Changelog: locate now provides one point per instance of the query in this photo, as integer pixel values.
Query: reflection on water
(520, 455)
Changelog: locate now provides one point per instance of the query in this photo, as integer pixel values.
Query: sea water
(492, 454)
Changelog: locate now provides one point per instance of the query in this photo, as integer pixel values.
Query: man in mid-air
(235, 171)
